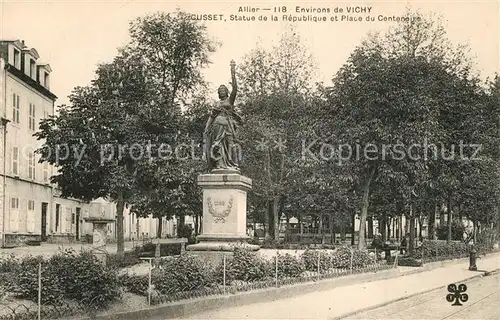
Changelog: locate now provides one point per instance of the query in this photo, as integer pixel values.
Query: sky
(75, 36)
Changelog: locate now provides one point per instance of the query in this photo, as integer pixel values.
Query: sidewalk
(49, 249)
(342, 301)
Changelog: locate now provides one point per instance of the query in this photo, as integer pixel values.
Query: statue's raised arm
(232, 97)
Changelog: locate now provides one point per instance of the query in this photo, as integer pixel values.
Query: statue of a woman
(220, 132)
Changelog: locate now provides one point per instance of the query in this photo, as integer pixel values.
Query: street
(483, 293)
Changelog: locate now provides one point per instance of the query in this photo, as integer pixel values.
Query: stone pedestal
(224, 215)
(99, 232)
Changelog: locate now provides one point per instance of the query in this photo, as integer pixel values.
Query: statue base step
(218, 242)
(213, 252)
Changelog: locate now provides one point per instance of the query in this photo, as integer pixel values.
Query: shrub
(8, 263)
(3, 293)
(409, 262)
(377, 243)
(182, 273)
(245, 265)
(130, 258)
(270, 243)
(25, 282)
(486, 238)
(149, 247)
(360, 258)
(83, 270)
(166, 249)
(135, 284)
(433, 249)
(255, 241)
(457, 231)
(310, 260)
(67, 275)
(185, 231)
(289, 266)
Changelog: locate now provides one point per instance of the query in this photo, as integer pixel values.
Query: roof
(33, 52)
(45, 65)
(18, 43)
(28, 80)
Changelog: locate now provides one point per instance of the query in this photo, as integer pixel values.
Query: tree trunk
(137, 228)
(460, 214)
(399, 233)
(370, 227)
(364, 210)
(266, 223)
(441, 214)
(332, 230)
(159, 228)
(342, 231)
(432, 223)
(301, 227)
(322, 229)
(280, 205)
(196, 224)
(420, 223)
(287, 231)
(498, 223)
(353, 229)
(383, 228)
(120, 244)
(276, 218)
(388, 222)
(450, 217)
(201, 224)
(272, 223)
(411, 242)
(474, 228)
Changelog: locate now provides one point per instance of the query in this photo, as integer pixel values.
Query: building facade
(31, 208)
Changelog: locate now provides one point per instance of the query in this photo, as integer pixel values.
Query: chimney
(22, 41)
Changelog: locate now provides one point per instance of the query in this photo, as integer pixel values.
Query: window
(31, 205)
(31, 117)
(15, 161)
(58, 210)
(31, 166)
(15, 108)
(14, 203)
(32, 69)
(17, 59)
(46, 79)
(46, 172)
(72, 216)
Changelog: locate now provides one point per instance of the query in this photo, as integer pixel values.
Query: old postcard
(249, 160)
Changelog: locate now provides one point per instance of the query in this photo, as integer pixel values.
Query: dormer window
(32, 69)
(17, 59)
(46, 80)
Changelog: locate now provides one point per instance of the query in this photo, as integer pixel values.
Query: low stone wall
(189, 307)
(61, 239)
(20, 239)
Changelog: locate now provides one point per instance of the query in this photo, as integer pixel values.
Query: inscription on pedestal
(220, 209)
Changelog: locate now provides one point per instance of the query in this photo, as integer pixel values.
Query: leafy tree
(390, 92)
(276, 108)
(126, 114)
